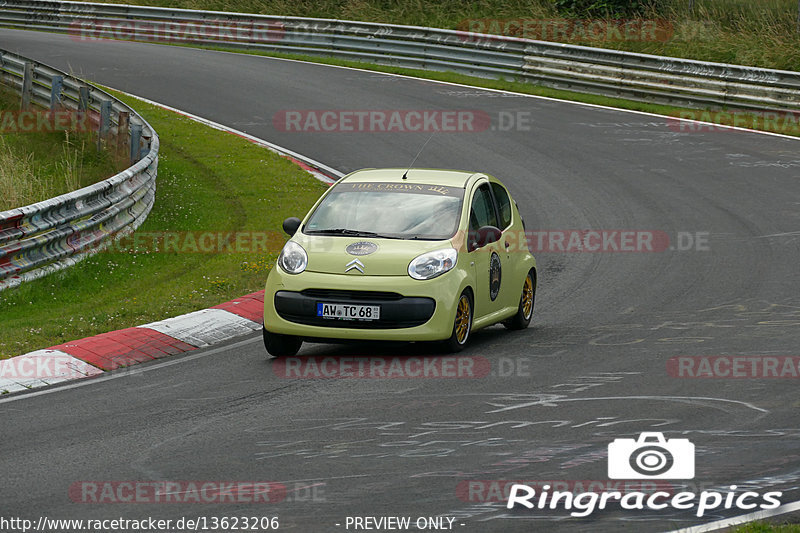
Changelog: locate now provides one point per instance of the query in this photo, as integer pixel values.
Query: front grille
(396, 311)
(333, 294)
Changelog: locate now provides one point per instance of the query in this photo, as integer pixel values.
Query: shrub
(607, 8)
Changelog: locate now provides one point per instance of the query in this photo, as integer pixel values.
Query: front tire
(462, 325)
(526, 301)
(278, 345)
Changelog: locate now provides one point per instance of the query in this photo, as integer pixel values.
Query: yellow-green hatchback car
(401, 255)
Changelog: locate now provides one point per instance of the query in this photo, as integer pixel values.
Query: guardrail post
(122, 130)
(136, 138)
(83, 98)
(145, 148)
(56, 84)
(105, 122)
(27, 84)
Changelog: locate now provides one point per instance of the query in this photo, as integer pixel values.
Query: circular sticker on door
(494, 275)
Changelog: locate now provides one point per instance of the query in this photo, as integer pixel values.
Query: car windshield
(388, 210)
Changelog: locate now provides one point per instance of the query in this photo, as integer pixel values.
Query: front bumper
(397, 311)
(410, 309)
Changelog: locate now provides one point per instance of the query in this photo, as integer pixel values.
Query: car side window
(503, 205)
(482, 210)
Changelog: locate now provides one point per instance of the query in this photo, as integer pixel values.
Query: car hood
(377, 257)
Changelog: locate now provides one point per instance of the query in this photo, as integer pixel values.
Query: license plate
(348, 312)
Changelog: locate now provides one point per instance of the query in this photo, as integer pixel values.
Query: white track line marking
(505, 91)
(280, 150)
(135, 369)
(679, 399)
(727, 522)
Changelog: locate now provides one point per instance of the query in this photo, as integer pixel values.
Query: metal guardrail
(50, 235)
(583, 69)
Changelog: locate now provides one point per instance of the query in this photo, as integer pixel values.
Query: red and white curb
(119, 349)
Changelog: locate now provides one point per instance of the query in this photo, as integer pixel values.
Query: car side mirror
(291, 224)
(485, 235)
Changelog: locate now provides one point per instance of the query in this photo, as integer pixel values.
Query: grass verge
(209, 182)
(38, 165)
(764, 527)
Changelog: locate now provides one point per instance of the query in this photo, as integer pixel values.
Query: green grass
(764, 527)
(35, 166)
(748, 32)
(207, 181)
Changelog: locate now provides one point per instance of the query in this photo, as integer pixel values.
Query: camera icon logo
(651, 457)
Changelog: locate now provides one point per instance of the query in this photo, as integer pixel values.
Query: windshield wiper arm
(341, 231)
(345, 231)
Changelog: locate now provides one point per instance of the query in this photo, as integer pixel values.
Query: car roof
(449, 178)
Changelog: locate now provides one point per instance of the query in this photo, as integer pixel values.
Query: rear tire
(526, 301)
(278, 345)
(462, 325)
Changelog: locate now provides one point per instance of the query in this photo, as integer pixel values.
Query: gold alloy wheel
(527, 297)
(462, 319)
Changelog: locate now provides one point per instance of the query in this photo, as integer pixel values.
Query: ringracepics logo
(651, 456)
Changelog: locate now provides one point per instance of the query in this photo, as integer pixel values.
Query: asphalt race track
(590, 369)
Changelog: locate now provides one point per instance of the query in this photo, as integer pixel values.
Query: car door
(507, 246)
(485, 259)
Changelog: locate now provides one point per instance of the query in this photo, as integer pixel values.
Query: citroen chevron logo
(354, 264)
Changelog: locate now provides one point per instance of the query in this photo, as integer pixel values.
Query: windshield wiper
(345, 231)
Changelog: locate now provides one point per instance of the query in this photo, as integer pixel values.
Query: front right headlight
(432, 264)
(293, 258)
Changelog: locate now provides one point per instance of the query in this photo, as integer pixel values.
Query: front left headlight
(293, 258)
(432, 264)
